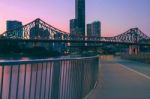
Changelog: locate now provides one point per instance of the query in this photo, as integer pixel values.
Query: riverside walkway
(117, 80)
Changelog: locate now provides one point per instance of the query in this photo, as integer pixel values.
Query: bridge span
(40, 33)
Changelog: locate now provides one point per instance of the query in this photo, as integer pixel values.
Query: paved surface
(118, 82)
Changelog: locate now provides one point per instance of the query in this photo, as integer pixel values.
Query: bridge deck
(116, 81)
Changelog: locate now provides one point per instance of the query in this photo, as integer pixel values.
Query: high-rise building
(12, 25)
(94, 29)
(73, 26)
(89, 29)
(80, 16)
(77, 25)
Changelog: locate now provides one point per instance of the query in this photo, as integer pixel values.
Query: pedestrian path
(118, 82)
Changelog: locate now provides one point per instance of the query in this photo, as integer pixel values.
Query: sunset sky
(116, 16)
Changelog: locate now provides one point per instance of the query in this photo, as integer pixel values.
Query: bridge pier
(133, 49)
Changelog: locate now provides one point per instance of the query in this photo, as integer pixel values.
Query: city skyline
(116, 16)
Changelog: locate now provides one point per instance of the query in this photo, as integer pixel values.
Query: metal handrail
(62, 78)
(12, 62)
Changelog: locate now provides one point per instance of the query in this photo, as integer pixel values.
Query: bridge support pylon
(133, 49)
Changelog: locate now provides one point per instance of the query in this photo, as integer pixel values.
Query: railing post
(10, 81)
(35, 90)
(24, 84)
(17, 84)
(45, 81)
(41, 79)
(1, 91)
(56, 80)
(30, 82)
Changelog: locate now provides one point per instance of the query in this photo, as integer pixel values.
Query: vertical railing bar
(76, 89)
(88, 79)
(75, 71)
(56, 83)
(88, 82)
(92, 74)
(36, 81)
(63, 80)
(74, 79)
(81, 61)
(18, 76)
(97, 68)
(50, 75)
(95, 72)
(60, 78)
(65, 62)
(10, 81)
(30, 82)
(79, 78)
(24, 81)
(91, 71)
(85, 77)
(72, 65)
(41, 81)
(45, 81)
(63, 68)
(60, 71)
(1, 93)
(82, 73)
(61, 75)
(66, 81)
(70, 79)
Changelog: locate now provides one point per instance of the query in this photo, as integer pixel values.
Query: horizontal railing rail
(62, 78)
(8, 62)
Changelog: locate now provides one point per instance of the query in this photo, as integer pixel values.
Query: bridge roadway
(120, 79)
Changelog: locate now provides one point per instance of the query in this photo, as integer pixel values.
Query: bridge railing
(70, 78)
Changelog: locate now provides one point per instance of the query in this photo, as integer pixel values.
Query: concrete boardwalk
(118, 82)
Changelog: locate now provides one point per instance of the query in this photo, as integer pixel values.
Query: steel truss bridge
(40, 31)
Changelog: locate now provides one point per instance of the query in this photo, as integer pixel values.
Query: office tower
(94, 29)
(80, 16)
(12, 25)
(77, 25)
(89, 29)
(73, 26)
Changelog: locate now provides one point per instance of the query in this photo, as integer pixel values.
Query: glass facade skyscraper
(80, 16)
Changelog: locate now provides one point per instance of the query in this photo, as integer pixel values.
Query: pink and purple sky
(117, 16)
